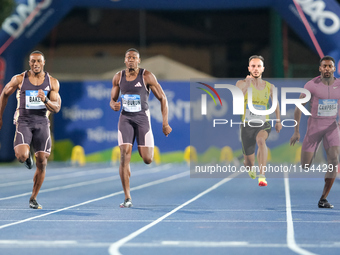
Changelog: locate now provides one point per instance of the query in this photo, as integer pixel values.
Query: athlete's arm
(115, 92)
(8, 90)
(338, 112)
(53, 103)
(157, 90)
(242, 85)
(245, 84)
(297, 117)
(278, 125)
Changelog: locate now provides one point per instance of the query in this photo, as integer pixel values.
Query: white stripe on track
(61, 176)
(170, 178)
(114, 248)
(290, 226)
(79, 184)
(178, 221)
(163, 244)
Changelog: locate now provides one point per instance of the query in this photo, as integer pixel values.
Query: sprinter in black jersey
(38, 95)
(135, 84)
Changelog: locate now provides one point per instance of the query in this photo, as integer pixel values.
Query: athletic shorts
(248, 137)
(318, 129)
(36, 133)
(135, 125)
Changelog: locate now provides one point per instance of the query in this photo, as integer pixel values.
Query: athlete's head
(256, 66)
(37, 61)
(132, 59)
(327, 67)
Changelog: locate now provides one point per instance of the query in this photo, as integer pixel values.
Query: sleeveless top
(135, 94)
(324, 98)
(260, 102)
(29, 107)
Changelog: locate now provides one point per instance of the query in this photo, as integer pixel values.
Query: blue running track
(172, 213)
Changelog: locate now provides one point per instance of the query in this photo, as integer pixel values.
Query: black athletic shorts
(135, 125)
(36, 133)
(248, 137)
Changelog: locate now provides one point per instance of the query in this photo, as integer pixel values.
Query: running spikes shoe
(34, 204)
(262, 181)
(29, 162)
(252, 174)
(126, 204)
(323, 203)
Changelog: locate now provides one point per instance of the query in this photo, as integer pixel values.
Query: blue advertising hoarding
(87, 119)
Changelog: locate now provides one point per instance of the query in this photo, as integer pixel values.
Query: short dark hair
(38, 52)
(327, 58)
(256, 56)
(132, 49)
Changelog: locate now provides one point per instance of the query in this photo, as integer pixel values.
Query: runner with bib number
(322, 124)
(256, 129)
(135, 85)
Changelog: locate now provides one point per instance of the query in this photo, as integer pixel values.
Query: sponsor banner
(87, 119)
(323, 19)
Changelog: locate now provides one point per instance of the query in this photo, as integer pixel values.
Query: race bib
(251, 116)
(33, 102)
(131, 103)
(328, 107)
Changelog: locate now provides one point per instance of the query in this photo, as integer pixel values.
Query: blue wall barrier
(87, 119)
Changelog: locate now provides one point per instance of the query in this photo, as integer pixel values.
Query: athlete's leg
(306, 159)
(124, 168)
(333, 161)
(41, 142)
(22, 141)
(311, 142)
(146, 153)
(262, 152)
(144, 137)
(249, 160)
(39, 176)
(22, 152)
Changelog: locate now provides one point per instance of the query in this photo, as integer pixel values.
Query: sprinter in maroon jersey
(135, 84)
(37, 95)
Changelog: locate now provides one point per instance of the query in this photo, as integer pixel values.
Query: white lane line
(70, 175)
(50, 169)
(163, 244)
(114, 248)
(177, 221)
(62, 176)
(170, 178)
(38, 243)
(290, 226)
(79, 184)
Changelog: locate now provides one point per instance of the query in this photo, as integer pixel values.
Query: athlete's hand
(249, 79)
(115, 105)
(295, 138)
(278, 127)
(41, 95)
(167, 129)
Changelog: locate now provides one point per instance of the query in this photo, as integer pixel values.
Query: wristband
(46, 100)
